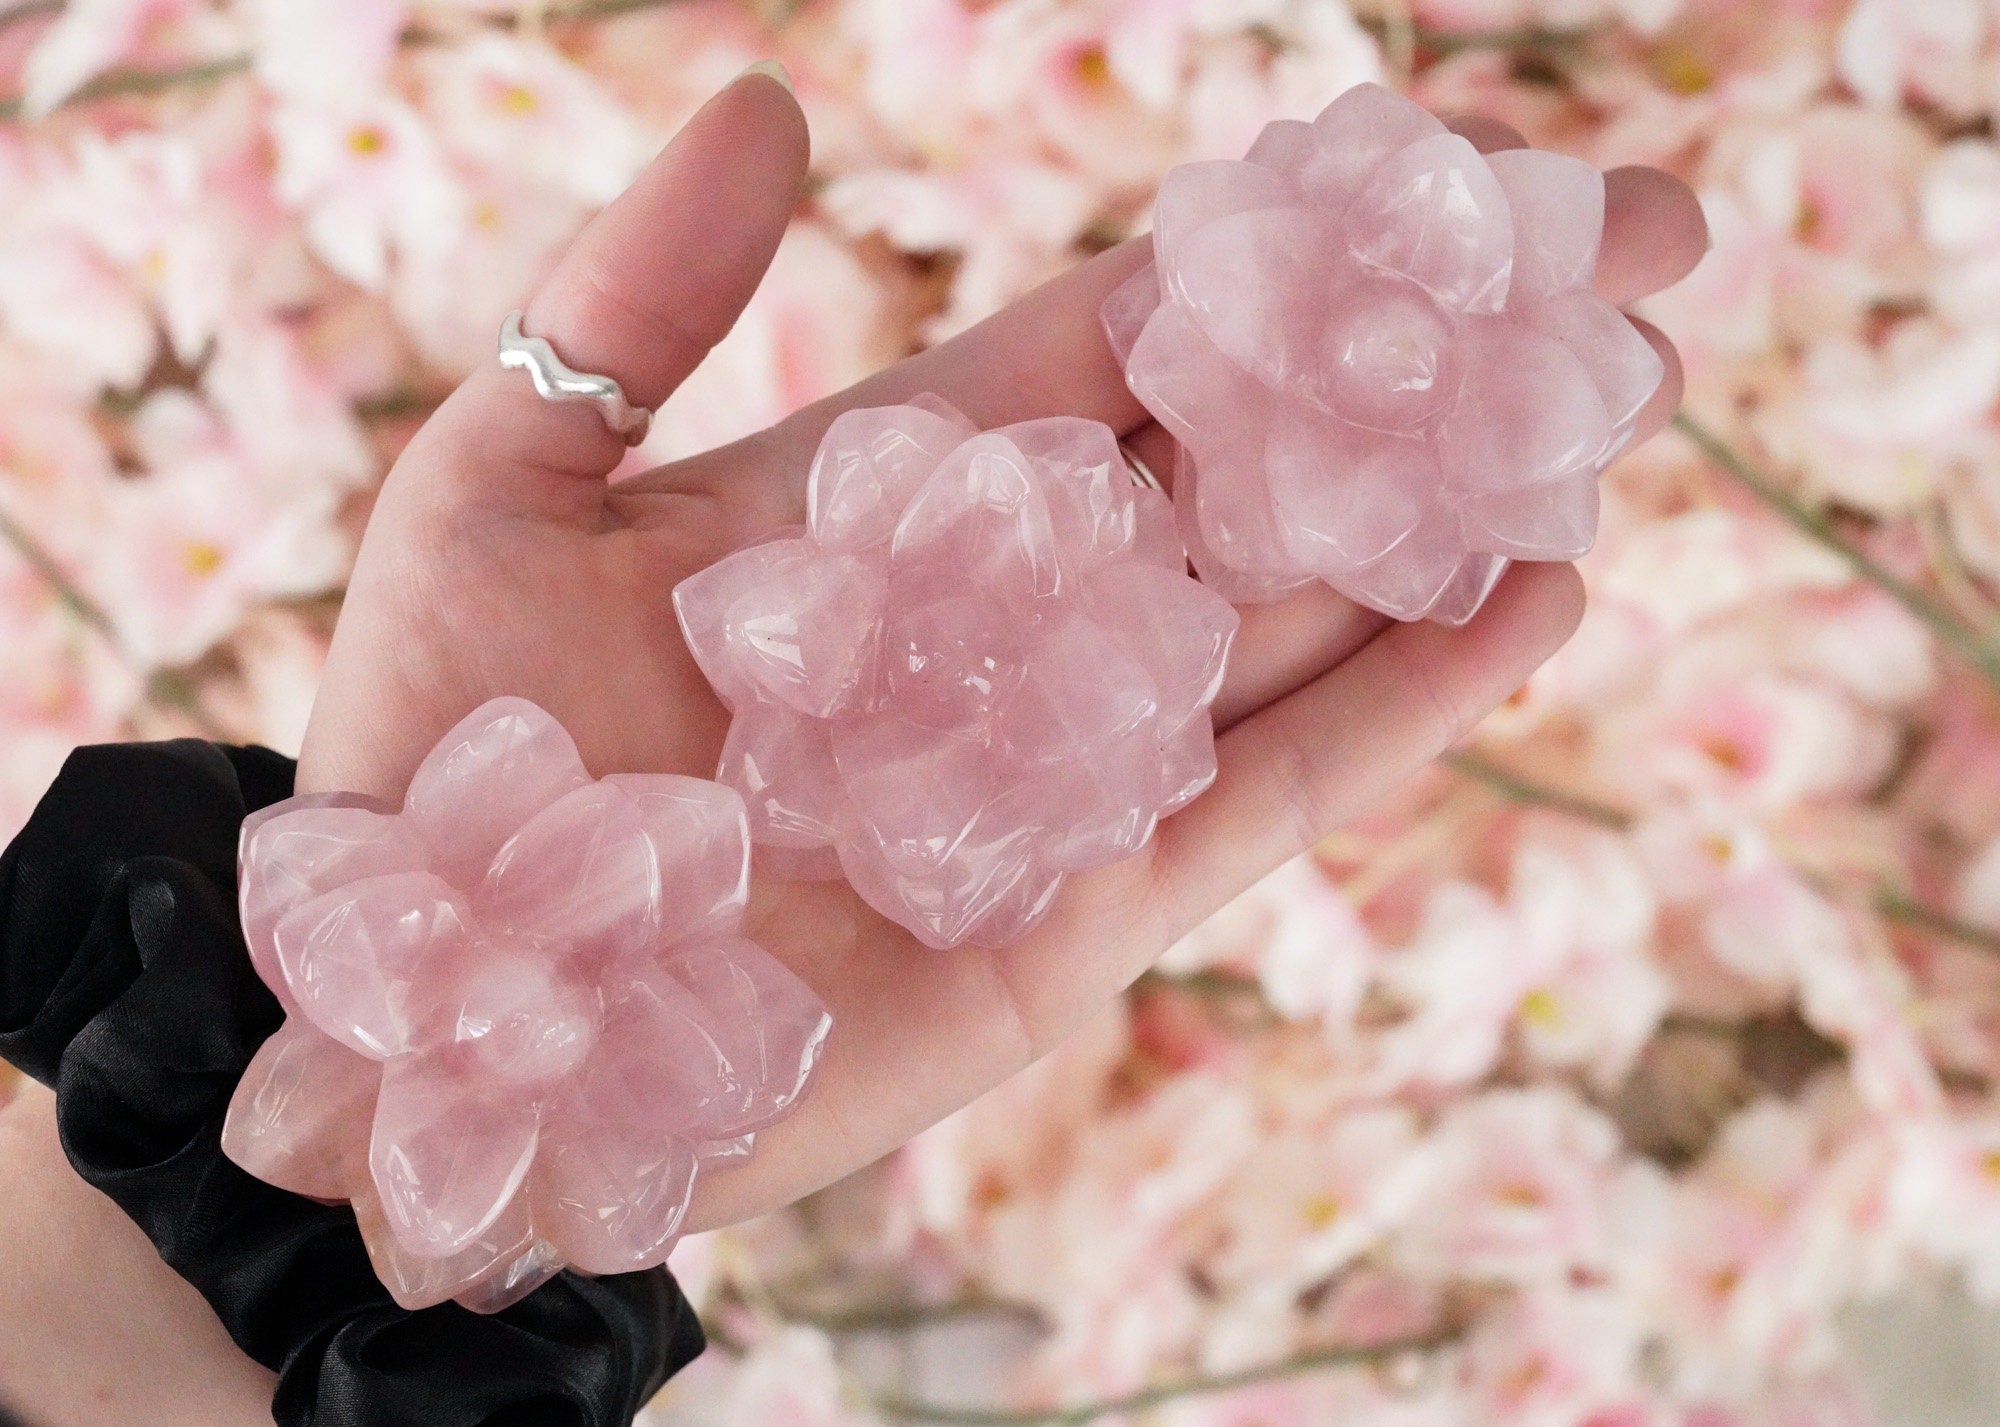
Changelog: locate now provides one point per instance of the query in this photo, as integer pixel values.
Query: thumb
(641, 295)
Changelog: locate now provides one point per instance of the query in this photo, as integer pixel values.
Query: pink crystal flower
(981, 666)
(519, 1015)
(1382, 358)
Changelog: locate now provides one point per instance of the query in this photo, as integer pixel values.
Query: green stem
(1960, 583)
(86, 610)
(1939, 618)
(1444, 42)
(592, 10)
(167, 688)
(1518, 789)
(28, 10)
(1528, 37)
(1898, 907)
(122, 83)
(396, 405)
(902, 1317)
(1889, 904)
(1209, 981)
(171, 689)
(1319, 1361)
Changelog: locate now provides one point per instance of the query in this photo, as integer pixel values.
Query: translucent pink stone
(519, 1014)
(350, 957)
(1381, 355)
(502, 1266)
(292, 1120)
(290, 863)
(980, 667)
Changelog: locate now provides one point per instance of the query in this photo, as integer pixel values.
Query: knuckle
(648, 323)
(1444, 717)
(1306, 807)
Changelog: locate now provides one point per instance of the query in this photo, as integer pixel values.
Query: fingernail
(771, 69)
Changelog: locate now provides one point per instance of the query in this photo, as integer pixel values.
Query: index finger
(1654, 229)
(1654, 234)
(1046, 354)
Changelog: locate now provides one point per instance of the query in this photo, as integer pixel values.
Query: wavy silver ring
(555, 380)
(1142, 474)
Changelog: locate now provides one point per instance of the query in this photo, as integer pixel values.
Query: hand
(500, 561)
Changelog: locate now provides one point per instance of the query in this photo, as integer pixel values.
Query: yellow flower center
(519, 100)
(1320, 1210)
(1682, 70)
(1541, 1008)
(1989, 1165)
(201, 558)
(367, 141)
(1093, 68)
(1725, 753)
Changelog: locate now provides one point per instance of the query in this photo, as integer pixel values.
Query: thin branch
(905, 1317)
(86, 610)
(28, 10)
(1227, 993)
(1954, 575)
(1516, 788)
(167, 688)
(1389, 30)
(171, 689)
(1889, 903)
(1322, 1360)
(1941, 620)
(1898, 907)
(125, 83)
(538, 18)
(397, 405)
(1533, 38)
(120, 83)
(580, 10)
(1691, 1023)
(1209, 981)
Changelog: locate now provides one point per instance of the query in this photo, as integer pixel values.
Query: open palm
(500, 560)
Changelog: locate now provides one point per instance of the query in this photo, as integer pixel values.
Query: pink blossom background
(1635, 1068)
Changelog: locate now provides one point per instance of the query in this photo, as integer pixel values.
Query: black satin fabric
(124, 984)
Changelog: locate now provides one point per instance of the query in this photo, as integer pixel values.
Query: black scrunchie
(124, 984)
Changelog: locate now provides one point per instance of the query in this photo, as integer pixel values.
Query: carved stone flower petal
(1379, 351)
(1009, 682)
(480, 989)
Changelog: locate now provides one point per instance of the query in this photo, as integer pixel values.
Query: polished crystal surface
(980, 666)
(519, 1015)
(1381, 355)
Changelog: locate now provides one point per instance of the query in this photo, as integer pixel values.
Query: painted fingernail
(771, 69)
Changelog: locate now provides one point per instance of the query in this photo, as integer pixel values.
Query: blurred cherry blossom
(1597, 1079)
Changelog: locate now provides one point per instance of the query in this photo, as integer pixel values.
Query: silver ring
(1142, 474)
(555, 380)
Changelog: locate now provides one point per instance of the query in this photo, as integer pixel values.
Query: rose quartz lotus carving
(1382, 359)
(981, 666)
(518, 1013)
